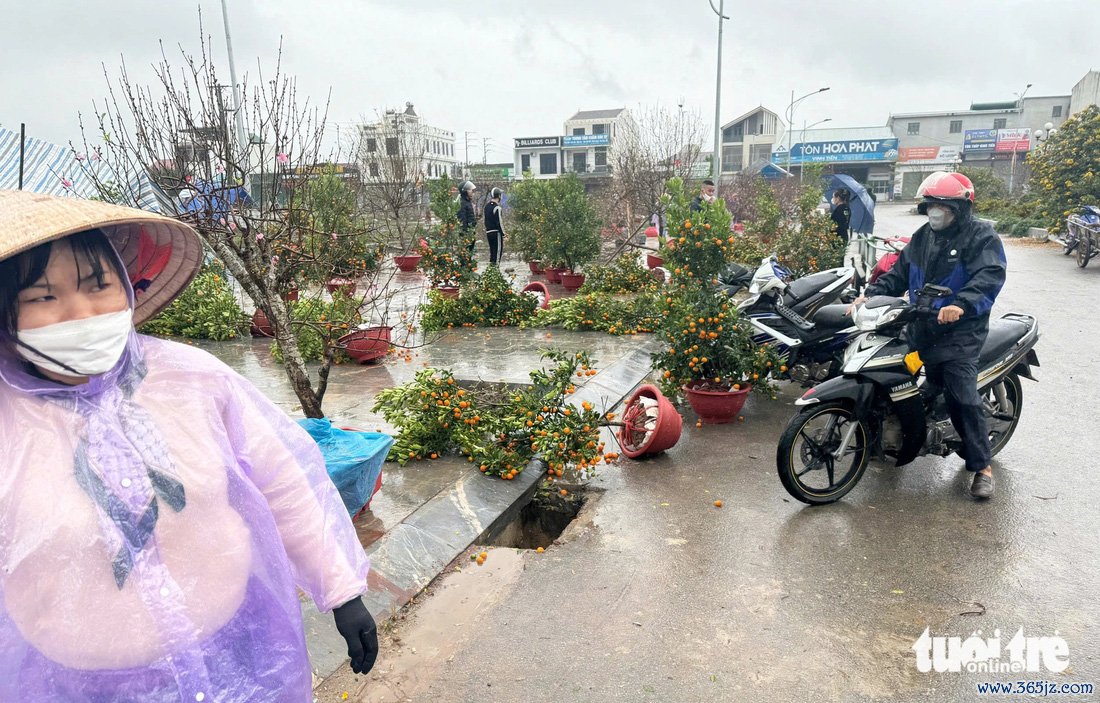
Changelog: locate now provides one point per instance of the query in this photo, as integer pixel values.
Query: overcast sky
(509, 68)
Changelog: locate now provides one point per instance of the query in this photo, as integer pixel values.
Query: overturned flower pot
(650, 423)
(653, 261)
(540, 291)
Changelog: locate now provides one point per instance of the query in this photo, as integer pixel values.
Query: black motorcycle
(882, 406)
(799, 318)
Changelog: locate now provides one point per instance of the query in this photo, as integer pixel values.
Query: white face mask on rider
(85, 347)
(939, 217)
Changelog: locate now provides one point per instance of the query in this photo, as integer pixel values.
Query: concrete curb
(411, 555)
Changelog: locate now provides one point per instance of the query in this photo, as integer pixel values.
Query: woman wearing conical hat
(157, 513)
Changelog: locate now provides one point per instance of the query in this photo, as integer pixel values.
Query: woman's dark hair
(19, 272)
(844, 194)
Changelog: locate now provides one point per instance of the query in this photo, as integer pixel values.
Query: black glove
(356, 625)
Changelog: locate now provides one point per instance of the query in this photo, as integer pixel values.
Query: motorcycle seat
(804, 287)
(832, 317)
(1003, 335)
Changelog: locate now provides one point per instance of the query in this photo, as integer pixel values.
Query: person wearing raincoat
(157, 513)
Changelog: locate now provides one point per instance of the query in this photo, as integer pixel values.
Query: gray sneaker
(982, 487)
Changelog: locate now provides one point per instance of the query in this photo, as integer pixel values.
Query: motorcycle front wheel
(811, 465)
(1084, 251)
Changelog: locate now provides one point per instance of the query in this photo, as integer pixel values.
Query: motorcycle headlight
(868, 319)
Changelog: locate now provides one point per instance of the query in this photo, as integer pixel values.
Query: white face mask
(87, 347)
(940, 218)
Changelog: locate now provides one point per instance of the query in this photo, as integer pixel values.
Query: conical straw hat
(161, 255)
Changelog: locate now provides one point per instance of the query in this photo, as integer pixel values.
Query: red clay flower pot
(553, 274)
(650, 423)
(572, 281)
(540, 289)
(448, 291)
(536, 267)
(366, 345)
(291, 295)
(408, 263)
(653, 261)
(261, 326)
(343, 285)
(716, 407)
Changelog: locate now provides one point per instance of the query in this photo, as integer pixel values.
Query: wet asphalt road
(667, 598)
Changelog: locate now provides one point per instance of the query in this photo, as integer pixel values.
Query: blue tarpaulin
(54, 169)
(353, 459)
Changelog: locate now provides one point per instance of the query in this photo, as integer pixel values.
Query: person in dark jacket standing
(706, 195)
(957, 251)
(467, 213)
(494, 226)
(842, 212)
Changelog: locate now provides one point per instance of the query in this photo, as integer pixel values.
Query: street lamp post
(790, 117)
(1012, 169)
(802, 137)
(716, 162)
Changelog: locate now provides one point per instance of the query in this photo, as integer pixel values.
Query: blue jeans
(959, 380)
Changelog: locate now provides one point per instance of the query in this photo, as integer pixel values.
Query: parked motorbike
(1082, 235)
(799, 317)
(881, 406)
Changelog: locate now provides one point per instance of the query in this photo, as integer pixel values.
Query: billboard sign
(586, 140)
(928, 154)
(1013, 140)
(851, 150)
(534, 142)
(979, 140)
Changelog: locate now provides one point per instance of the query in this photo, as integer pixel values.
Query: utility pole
(716, 162)
(485, 149)
(242, 138)
(466, 164)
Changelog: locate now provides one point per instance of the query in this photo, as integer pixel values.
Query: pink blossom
(233, 226)
(259, 236)
(219, 168)
(334, 236)
(96, 154)
(282, 158)
(187, 178)
(221, 221)
(274, 260)
(66, 183)
(80, 156)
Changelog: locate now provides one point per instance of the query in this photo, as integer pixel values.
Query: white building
(750, 139)
(401, 136)
(1085, 93)
(586, 147)
(989, 135)
(589, 138)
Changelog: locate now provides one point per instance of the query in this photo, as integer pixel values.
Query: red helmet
(942, 185)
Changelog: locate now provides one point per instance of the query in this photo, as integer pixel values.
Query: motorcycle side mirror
(935, 292)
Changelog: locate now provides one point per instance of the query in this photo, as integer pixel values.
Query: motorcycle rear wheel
(808, 444)
(999, 434)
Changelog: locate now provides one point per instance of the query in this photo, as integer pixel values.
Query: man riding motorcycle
(959, 252)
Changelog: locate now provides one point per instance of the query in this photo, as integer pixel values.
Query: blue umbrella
(863, 207)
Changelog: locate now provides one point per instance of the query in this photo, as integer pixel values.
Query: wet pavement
(661, 596)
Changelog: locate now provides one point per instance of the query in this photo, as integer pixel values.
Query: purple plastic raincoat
(154, 524)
